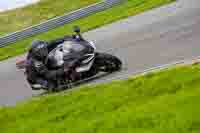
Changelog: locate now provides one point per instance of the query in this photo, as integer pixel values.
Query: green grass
(20, 18)
(161, 102)
(129, 8)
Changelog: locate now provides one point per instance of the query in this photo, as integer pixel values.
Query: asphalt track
(157, 37)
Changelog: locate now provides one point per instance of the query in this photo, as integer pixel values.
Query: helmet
(39, 49)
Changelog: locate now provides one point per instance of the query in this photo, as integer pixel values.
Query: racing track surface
(157, 37)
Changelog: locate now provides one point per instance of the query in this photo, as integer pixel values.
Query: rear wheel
(108, 63)
(92, 72)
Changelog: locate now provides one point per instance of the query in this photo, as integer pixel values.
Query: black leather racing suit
(37, 71)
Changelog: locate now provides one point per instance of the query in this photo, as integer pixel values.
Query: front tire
(108, 63)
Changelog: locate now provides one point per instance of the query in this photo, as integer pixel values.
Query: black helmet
(39, 49)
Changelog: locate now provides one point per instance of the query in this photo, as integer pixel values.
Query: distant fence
(58, 21)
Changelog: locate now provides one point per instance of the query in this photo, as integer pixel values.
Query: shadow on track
(79, 83)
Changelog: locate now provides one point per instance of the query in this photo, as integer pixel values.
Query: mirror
(77, 29)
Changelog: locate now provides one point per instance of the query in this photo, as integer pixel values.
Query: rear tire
(92, 72)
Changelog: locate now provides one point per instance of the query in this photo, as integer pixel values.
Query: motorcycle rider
(38, 72)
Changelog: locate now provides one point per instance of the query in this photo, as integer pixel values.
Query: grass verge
(36, 13)
(129, 8)
(163, 102)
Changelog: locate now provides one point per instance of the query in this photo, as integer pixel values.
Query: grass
(36, 13)
(163, 102)
(129, 8)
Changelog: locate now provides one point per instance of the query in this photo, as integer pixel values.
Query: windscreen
(72, 46)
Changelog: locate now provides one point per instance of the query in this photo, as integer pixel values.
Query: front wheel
(107, 62)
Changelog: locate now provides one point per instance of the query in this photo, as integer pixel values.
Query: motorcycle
(90, 64)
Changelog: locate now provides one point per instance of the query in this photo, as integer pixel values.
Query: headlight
(92, 44)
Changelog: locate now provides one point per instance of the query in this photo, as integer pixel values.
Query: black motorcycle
(90, 64)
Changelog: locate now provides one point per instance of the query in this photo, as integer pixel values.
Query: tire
(107, 62)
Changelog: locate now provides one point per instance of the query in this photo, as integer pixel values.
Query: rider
(38, 72)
